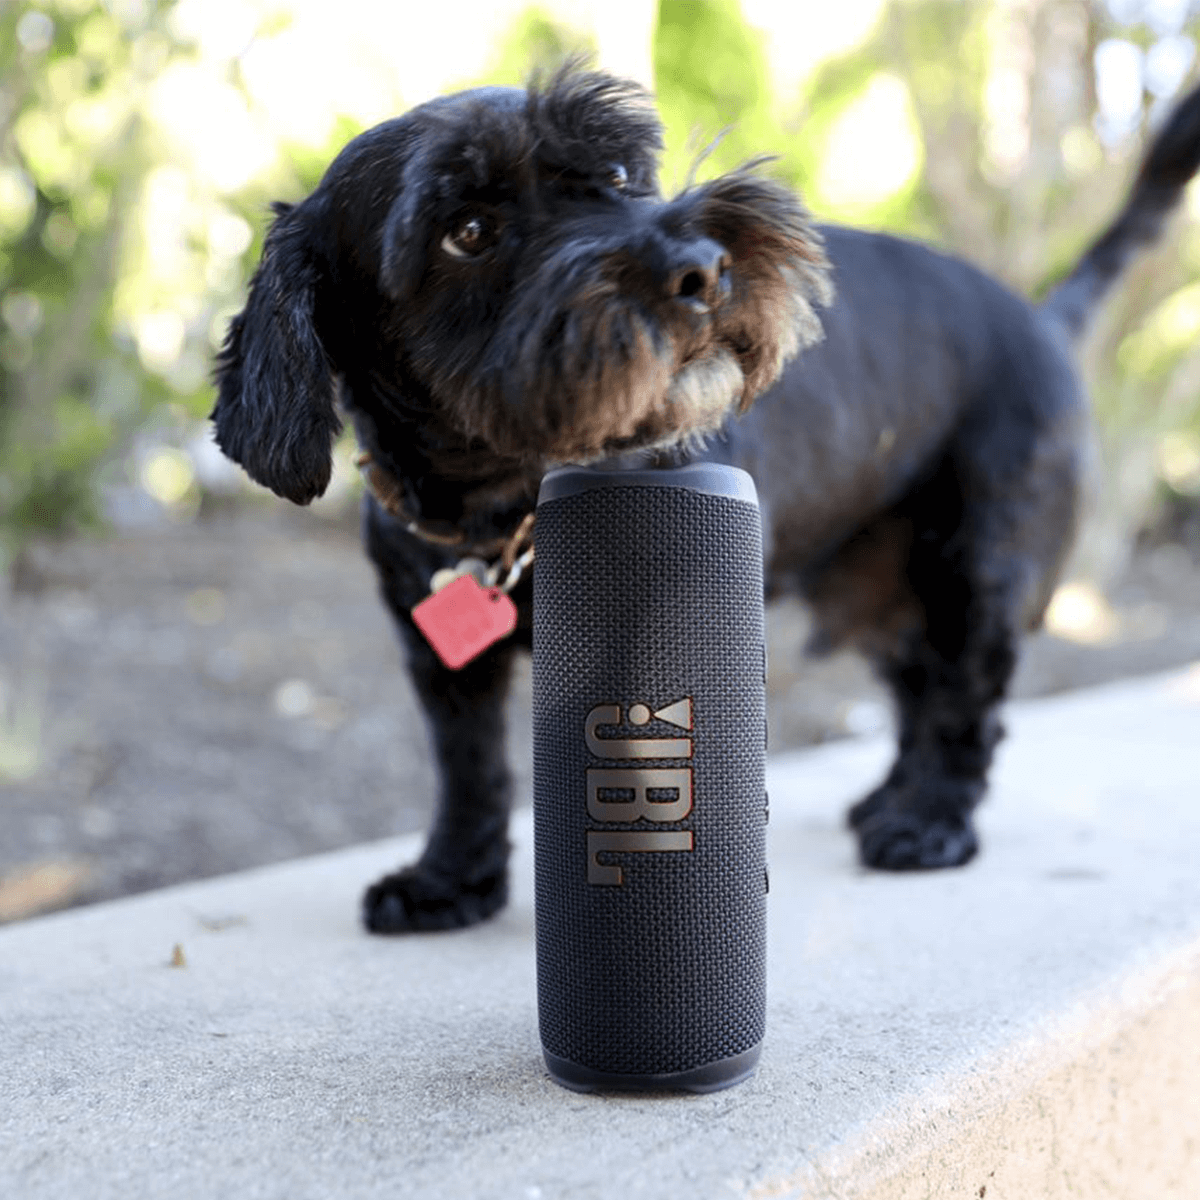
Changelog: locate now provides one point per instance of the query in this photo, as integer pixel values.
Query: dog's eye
(469, 238)
(617, 178)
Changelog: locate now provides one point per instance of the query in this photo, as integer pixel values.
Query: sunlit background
(141, 141)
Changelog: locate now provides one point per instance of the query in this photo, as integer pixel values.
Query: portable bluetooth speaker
(649, 737)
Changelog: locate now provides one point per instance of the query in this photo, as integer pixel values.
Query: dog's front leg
(461, 876)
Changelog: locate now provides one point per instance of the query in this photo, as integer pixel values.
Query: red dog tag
(462, 620)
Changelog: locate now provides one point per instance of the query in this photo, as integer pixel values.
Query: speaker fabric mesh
(644, 596)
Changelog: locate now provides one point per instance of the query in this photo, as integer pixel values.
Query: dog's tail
(1170, 163)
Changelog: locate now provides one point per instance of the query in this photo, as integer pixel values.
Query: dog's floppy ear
(275, 391)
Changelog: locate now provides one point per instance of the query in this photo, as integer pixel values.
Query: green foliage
(73, 152)
(712, 82)
(536, 45)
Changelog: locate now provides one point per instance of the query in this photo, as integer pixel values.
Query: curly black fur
(495, 285)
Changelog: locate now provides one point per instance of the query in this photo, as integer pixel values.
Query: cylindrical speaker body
(649, 738)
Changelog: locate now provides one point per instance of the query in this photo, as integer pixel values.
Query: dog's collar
(388, 493)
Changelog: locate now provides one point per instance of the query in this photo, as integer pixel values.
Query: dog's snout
(700, 278)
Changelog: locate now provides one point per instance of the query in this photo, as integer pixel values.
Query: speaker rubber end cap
(712, 1077)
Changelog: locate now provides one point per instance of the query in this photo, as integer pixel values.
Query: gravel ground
(195, 699)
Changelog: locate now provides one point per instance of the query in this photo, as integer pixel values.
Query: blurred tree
(535, 45)
(713, 89)
(72, 154)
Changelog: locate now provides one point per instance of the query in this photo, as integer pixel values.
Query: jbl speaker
(649, 738)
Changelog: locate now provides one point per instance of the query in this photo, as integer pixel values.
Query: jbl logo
(626, 794)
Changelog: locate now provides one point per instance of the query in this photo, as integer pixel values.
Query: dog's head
(499, 266)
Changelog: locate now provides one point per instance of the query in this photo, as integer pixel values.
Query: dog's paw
(416, 900)
(870, 805)
(893, 840)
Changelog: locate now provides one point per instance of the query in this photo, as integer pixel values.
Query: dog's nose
(700, 278)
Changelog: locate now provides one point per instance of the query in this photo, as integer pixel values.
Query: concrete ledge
(1029, 1026)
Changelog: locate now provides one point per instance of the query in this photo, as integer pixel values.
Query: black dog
(493, 284)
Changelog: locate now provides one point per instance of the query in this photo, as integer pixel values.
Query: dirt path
(193, 700)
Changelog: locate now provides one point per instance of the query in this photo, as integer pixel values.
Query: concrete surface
(1027, 1027)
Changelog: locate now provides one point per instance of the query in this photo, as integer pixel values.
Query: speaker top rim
(714, 479)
